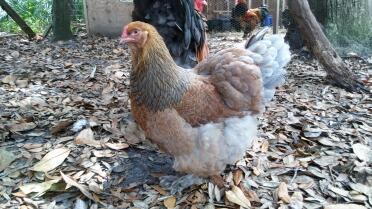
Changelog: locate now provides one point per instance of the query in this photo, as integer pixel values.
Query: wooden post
(276, 16)
(284, 4)
(20, 22)
(249, 4)
(62, 20)
(321, 48)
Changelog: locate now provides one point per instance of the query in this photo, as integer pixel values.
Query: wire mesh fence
(240, 15)
(347, 23)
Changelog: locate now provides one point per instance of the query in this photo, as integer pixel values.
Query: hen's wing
(181, 27)
(246, 77)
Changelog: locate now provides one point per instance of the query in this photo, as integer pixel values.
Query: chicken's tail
(271, 54)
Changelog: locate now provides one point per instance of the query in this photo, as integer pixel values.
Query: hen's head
(137, 34)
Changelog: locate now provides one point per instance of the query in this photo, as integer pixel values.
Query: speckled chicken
(203, 117)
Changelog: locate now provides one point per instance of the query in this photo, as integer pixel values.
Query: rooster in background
(204, 117)
(248, 19)
(199, 5)
(182, 27)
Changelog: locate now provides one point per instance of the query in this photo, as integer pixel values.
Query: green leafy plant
(36, 13)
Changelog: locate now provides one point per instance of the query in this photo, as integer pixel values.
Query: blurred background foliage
(347, 23)
(37, 14)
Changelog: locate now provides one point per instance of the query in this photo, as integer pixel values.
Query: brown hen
(204, 117)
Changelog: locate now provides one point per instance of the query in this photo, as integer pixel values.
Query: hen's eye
(135, 32)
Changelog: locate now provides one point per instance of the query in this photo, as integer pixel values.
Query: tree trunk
(25, 28)
(62, 19)
(321, 48)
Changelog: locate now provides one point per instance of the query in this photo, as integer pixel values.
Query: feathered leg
(178, 183)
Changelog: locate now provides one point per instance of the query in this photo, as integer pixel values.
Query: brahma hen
(204, 117)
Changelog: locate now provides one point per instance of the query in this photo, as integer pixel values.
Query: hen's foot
(176, 184)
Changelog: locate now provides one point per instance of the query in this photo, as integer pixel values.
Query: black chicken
(181, 26)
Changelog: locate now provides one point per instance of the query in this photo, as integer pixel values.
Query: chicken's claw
(176, 184)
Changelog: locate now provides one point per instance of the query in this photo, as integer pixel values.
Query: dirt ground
(70, 100)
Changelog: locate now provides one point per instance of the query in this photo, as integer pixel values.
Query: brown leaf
(265, 146)
(283, 193)
(251, 195)
(170, 202)
(51, 160)
(196, 198)
(84, 189)
(39, 188)
(237, 176)
(159, 189)
(61, 126)
(22, 127)
(103, 153)
(235, 195)
(117, 146)
(86, 137)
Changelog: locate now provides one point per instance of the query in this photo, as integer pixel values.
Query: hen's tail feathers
(257, 37)
(271, 54)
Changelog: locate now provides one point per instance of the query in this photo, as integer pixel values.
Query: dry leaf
(338, 191)
(103, 153)
(235, 195)
(312, 131)
(367, 190)
(9, 79)
(84, 189)
(39, 188)
(159, 189)
(6, 158)
(170, 202)
(237, 177)
(217, 193)
(252, 196)
(283, 193)
(61, 126)
(22, 127)
(51, 160)
(265, 146)
(36, 150)
(117, 146)
(345, 206)
(363, 152)
(210, 191)
(196, 198)
(86, 137)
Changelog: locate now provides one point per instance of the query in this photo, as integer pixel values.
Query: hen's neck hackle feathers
(156, 81)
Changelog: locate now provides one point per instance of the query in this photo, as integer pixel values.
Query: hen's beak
(125, 38)
(205, 3)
